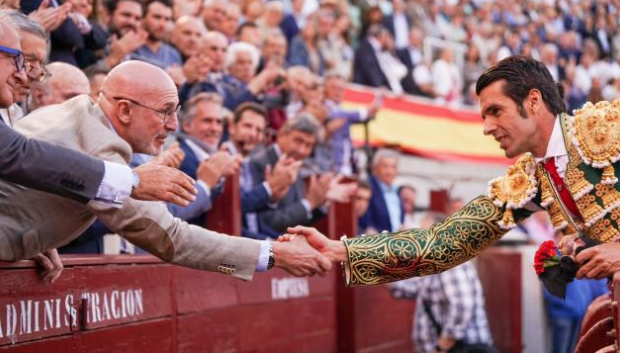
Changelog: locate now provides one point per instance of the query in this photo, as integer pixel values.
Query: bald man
(65, 82)
(132, 115)
(187, 35)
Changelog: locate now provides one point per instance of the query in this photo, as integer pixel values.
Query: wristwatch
(135, 180)
(272, 259)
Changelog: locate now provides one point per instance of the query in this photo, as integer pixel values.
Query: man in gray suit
(65, 172)
(300, 205)
(133, 115)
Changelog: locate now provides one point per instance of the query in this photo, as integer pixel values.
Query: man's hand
(341, 192)
(282, 176)
(599, 261)
(317, 190)
(264, 80)
(120, 48)
(219, 165)
(52, 266)
(161, 183)
(172, 157)
(299, 259)
(197, 68)
(334, 250)
(50, 18)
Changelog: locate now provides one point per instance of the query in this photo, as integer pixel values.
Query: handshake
(305, 251)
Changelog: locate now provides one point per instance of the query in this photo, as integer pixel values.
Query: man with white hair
(65, 82)
(241, 61)
(33, 40)
(229, 87)
(132, 116)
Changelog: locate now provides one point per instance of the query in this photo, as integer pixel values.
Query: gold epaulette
(595, 133)
(515, 189)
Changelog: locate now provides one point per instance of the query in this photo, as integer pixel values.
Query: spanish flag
(421, 127)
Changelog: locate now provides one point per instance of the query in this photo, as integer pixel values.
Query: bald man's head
(65, 82)
(214, 47)
(187, 35)
(140, 100)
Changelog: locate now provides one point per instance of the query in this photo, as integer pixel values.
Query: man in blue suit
(246, 135)
(385, 212)
(202, 126)
(398, 23)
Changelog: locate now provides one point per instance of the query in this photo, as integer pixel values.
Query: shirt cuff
(308, 208)
(263, 257)
(116, 184)
(205, 187)
(267, 188)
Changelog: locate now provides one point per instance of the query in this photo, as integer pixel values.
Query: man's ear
(534, 101)
(124, 111)
(38, 94)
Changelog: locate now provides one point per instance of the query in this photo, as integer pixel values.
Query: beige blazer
(32, 221)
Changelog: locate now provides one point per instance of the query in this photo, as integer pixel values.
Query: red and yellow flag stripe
(426, 129)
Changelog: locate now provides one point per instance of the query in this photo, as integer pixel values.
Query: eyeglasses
(168, 113)
(18, 57)
(37, 72)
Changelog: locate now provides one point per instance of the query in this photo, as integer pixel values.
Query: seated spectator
(301, 204)
(230, 21)
(242, 61)
(248, 32)
(386, 209)
(190, 8)
(394, 70)
(126, 34)
(293, 21)
(366, 68)
(340, 121)
(274, 51)
(233, 91)
(202, 127)
(298, 78)
(407, 195)
(213, 12)
(187, 36)
(412, 56)
(33, 40)
(93, 34)
(246, 134)
(157, 19)
(65, 82)
(362, 201)
(271, 17)
(447, 78)
(304, 51)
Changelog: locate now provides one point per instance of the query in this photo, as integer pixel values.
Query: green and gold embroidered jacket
(592, 139)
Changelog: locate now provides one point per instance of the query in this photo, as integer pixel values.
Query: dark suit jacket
(378, 215)
(289, 27)
(289, 211)
(407, 82)
(366, 69)
(388, 22)
(49, 168)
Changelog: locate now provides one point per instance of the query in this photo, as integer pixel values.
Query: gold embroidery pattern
(417, 252)
(577, 183)
(515, 189)
(595, 132)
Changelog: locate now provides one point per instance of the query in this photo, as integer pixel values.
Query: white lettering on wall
(30, 316)
(285, 288)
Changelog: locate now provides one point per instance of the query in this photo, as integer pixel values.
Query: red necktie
(561, 188)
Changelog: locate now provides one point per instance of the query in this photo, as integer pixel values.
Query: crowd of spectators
(261, 83)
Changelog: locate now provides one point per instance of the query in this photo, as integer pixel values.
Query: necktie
(561, 188)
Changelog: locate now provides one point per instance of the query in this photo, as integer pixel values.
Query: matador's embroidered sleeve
(418, 252)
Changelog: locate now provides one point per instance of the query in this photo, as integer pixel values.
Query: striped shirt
(456, 301)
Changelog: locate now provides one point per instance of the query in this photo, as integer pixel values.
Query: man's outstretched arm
(71, 174)
(415, 252)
